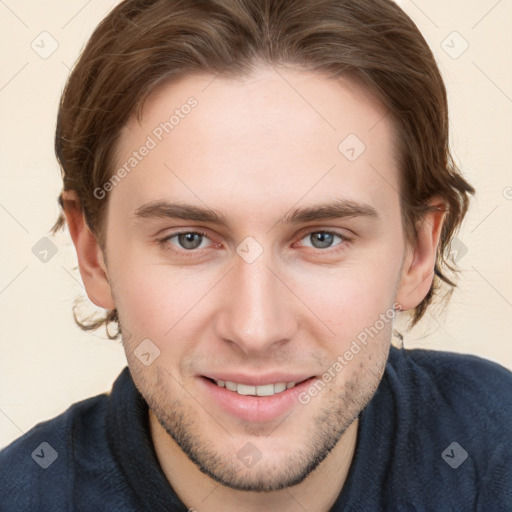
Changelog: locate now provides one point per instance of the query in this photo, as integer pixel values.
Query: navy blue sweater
(436, 436)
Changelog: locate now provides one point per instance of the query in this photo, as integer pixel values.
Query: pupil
(324, 239)
(190, 240)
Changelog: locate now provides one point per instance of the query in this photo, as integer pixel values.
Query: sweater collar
(130, 440)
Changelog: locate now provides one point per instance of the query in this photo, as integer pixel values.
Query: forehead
(277, 136)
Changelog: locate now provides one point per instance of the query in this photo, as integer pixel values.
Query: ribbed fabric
(426, 401)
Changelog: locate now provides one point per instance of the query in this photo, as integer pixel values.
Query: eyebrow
(338, 209)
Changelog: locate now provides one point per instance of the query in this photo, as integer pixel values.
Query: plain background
(47, 363)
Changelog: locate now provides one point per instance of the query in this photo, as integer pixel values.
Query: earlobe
(419, 263)
(90, 256)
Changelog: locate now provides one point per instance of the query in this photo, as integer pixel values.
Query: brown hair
(143, 44)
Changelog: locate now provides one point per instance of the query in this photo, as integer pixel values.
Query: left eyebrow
(342, 208)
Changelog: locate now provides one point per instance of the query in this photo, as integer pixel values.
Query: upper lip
(259, 380)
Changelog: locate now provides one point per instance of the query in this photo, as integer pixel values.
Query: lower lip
(256, 409)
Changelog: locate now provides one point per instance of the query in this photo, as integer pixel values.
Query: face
(254, 243)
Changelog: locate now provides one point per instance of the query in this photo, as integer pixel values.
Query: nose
(257, 312)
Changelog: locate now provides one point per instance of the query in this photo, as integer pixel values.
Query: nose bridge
(258, 311)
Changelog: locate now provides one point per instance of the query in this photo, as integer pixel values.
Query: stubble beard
(319, 438)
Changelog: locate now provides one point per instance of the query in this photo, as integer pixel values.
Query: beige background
(47, 363)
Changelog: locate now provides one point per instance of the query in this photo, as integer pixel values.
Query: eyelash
(163, 242)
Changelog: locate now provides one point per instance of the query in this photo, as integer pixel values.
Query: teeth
(265, 390)
(242, 389)
(231, 385)
(280, 387)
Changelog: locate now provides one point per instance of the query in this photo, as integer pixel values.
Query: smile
(264, 390)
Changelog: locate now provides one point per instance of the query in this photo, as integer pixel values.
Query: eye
(192, 241)
(185, 240)
(324, 239)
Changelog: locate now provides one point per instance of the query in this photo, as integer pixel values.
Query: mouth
(262, 400)
(253, 390)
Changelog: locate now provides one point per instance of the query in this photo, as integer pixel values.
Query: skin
(256, 149)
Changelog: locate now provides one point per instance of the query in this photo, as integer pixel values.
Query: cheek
(156, 300)
(352, 295)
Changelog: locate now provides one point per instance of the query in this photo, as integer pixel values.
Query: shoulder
(38, 468)
(450, 389)
(456, 414)
(456, 379)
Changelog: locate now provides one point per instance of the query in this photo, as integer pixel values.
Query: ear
(418, 268)
(91, 262)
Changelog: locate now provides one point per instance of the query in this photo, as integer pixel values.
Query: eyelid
(167, 238)
(344, 233)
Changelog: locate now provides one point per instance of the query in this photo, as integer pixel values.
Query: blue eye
(323, 239)
(192, 241)
(187, 240)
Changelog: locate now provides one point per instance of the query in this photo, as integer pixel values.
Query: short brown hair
(143, 44)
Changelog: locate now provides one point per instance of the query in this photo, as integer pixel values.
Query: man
(254, 189)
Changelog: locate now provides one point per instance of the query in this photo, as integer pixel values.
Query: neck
(186, 479)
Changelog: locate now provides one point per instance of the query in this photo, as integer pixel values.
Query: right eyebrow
(168, 210)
